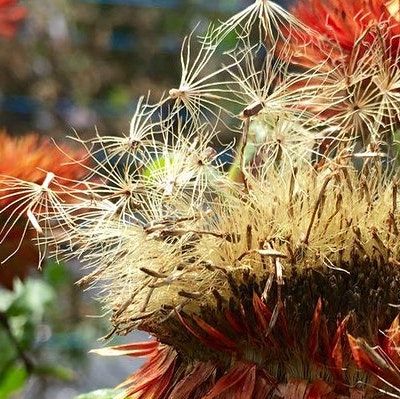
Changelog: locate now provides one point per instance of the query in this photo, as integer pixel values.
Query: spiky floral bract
(249, 280)
(257, 263)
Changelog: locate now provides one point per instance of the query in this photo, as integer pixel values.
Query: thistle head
(252, 284)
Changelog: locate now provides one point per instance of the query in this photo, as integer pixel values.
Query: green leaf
(8, 353)
(32, 298)
(101, 394)
(56, 274)
(23, 329)
(7, 298)
(13, 380)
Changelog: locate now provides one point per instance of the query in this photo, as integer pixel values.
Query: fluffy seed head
(251, 278)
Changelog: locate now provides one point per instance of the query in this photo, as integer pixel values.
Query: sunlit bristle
(268, 19)
(202, 91)
(287, 212)
(32, 205)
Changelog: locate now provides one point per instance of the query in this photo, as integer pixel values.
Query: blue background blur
(82, 63)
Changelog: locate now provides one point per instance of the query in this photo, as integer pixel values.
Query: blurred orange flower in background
(340, 26)
(28, 158)
(11, 15)
(356, 46)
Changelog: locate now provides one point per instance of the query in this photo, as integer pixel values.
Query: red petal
(357, 394)
(293, 389)
(215, 334)
(261, 311)
(192, 381)
(152, 368)
(234, 323)
(263, 388)
(232, 379)
(360, 357)
(313, 339)
(392, 341)
(211, 343)
(375, 361)
(318, 389)
(137, 349)
(336, 356)
(282, 322)
(247, 387)
(159, 366)
(300, 389)
(156, 388)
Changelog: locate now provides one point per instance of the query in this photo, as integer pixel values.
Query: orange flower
(357, 46)
(27, 158)
(11, 15)
(339, 27)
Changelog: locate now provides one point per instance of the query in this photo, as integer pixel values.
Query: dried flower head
(272, 279)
